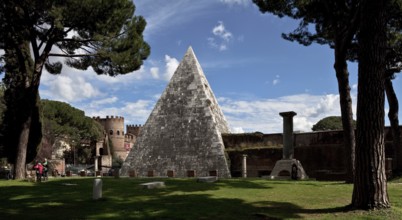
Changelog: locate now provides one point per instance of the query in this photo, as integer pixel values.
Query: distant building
(114, 131)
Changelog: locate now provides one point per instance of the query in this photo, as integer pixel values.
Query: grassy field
(71, 198)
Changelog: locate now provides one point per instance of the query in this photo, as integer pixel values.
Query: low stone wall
(322, 154)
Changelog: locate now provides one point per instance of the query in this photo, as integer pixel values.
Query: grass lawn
(71, 198)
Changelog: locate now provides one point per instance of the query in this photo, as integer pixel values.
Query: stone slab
(153, 185)
(207, 179)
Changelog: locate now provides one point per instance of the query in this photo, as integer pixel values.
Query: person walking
(39, 171)
(45, 169)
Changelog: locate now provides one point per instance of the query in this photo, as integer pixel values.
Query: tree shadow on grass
(287, 210)
(191, 185)
(125, 199)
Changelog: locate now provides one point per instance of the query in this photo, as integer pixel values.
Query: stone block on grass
(207, 179)
(153, 185)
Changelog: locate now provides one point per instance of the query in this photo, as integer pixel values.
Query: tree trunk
(343, 38)
(22, 78)
(370, 183)
(394, 121)
(345, 100)
(22, 114)
(19, 171)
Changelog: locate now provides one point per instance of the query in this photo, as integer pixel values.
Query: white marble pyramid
(182, 136)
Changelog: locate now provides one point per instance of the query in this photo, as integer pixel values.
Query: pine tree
(103, 35)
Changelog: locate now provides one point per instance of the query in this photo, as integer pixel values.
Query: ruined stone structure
(321, 153)
(288, 167)
(182, 136)
(103, 154)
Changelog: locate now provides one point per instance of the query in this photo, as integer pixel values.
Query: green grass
(71, 198)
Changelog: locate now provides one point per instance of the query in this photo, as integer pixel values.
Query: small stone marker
(153, 185)
(207, 179)
(97, 189)
(69, 184)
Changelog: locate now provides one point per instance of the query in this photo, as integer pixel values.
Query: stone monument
(182, 136)
(288, 167)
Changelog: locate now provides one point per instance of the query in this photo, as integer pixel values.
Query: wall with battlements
(133, 129)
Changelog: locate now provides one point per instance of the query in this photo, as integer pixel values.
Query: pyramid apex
(190, 51)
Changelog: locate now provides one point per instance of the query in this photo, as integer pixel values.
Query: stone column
(97, 189)
(98, 145)
(244, 166)
(96, 164)
(288, 147)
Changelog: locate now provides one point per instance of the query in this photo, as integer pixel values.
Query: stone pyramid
(182, 136)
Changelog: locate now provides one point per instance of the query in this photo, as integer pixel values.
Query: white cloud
(263, 115)
(110, 100)
(162, 15)
(171, 66)
(155, 72)
(67, 88)
(275, 81)
(221, 38)
(237, 130)
(234, 2)
(133, 112)
(221, 32)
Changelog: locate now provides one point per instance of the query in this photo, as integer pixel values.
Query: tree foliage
(37, 34)
(2, 103)
(103, 35)
(60, 120)
(329, 123)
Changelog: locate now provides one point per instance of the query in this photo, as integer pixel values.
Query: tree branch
(70, 55)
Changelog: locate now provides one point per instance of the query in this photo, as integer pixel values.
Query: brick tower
(114, 127)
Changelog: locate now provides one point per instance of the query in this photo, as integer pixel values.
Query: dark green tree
(2, 110)
(103, 35)
(64, 122)
(2, 103)
(330, 123)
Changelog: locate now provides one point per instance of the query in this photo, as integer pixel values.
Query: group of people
(41, 169)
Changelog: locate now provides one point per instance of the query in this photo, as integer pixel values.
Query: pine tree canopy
(104, 35)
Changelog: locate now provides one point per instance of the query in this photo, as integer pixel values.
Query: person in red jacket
(39, 171)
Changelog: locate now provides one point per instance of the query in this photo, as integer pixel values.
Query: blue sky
(254, 73)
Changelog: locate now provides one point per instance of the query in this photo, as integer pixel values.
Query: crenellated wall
(134, 129)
